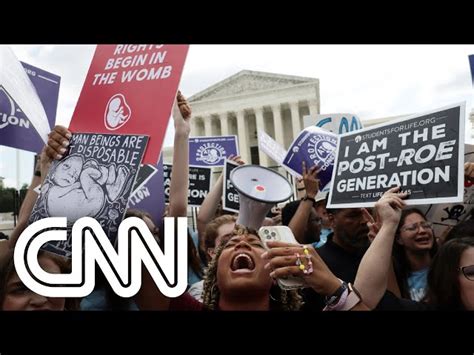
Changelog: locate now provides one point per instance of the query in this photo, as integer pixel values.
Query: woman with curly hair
(241, 277)
(237, 279)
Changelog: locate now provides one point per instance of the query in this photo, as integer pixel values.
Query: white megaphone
(259, 190)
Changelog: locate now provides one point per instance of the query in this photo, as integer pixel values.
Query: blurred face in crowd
(313, 228)
(19, 298)
(240, 267)
(466, 278)
(415, 234)
(350, 227)
(223, 232)
(323, 214)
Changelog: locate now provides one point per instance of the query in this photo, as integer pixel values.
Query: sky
(371, 81)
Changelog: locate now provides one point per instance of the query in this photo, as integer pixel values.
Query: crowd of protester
(383, 258)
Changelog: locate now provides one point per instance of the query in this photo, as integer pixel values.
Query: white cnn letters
(122, 268)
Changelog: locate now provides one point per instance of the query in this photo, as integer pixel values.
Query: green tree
(7, 199)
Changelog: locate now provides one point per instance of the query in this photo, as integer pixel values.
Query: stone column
(278, 124)
(207, 126)
(224, 124)
(193, 127)
(244, 148)
(264, 160)
(313, 107)
(295, 119)
(471, 119)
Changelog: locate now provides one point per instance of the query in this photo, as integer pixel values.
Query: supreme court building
(251, 100)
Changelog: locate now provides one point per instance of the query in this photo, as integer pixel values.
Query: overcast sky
(371, 81)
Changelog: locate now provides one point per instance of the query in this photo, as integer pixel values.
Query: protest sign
(211, 151)
(338, 123)
(130, 89)
(471, 63)
(444, 216)
(16, 84)
(314, 146)
(94, 180)
(146, 172)
(271, 147)
(150, 196)
(16, 130)
(422, 153)
(230, 199)
(199, 184)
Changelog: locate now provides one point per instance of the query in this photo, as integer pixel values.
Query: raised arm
(211, 202)
(149, 297)
(300, 220)
(374, 227)
(41, 171)
(372, 275)
(179, 187)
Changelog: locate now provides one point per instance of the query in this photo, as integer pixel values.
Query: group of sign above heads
(119, 123)
(121, 118)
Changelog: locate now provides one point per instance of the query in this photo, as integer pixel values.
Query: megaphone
(259, 190)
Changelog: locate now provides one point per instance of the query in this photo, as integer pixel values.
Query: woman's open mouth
(242, 262)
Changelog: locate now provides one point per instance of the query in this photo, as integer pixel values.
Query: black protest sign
(199, 184)
(424, 154)
(94, 180)
(231, 196)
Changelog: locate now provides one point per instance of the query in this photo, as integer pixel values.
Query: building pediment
(248, 81)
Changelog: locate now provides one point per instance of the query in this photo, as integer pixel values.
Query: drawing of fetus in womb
(76, 189)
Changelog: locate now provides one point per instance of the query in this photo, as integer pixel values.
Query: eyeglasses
(414, 227)
(468, 272)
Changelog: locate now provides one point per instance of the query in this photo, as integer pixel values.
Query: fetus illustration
(117, 112)
(77, 189)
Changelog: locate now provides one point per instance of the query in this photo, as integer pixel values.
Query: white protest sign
(338, 123)
(270, 147)
(15, 81)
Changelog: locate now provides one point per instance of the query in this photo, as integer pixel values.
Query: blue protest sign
(16, 130)
(150, 197)
(211, 151)
(314, 146)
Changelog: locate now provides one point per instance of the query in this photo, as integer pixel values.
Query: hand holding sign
(311, 181)
(58, 141)
(389, 206)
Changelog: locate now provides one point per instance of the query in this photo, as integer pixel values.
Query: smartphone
(281, 234)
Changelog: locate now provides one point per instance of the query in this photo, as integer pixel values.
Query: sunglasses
(468, 272)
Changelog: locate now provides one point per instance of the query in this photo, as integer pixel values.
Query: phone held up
(281, 234)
